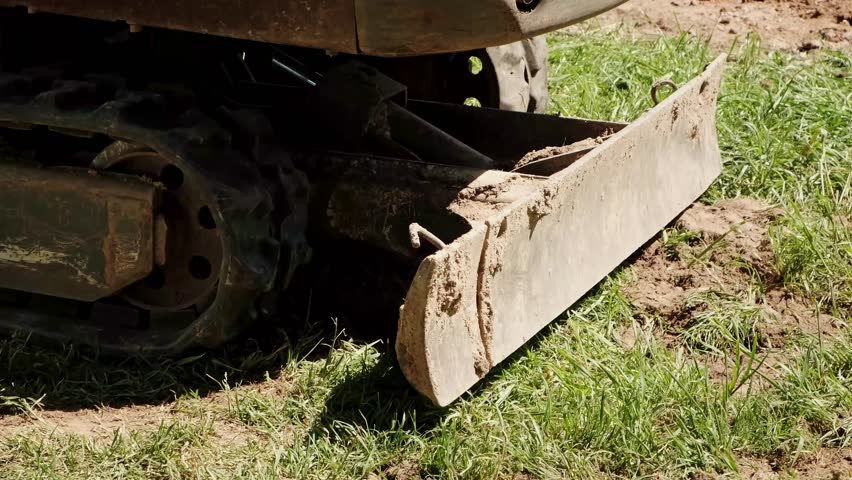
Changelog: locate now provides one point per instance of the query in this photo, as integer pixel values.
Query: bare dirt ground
(729, 244)
(782, 24)
(100, 425)
(834, 464)
(90, 423)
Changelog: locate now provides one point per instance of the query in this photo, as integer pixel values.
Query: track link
(261, 217)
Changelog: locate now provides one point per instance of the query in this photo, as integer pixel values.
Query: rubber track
(244, 202)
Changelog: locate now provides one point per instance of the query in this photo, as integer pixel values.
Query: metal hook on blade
(416, 232)
(656, 87)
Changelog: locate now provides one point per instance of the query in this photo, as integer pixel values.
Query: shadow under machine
(167, 167)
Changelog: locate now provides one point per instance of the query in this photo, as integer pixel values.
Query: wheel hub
(188, 245)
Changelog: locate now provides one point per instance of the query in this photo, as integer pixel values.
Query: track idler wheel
(187, 242)
(207, 220)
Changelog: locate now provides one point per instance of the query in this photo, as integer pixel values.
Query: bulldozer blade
(480, 298)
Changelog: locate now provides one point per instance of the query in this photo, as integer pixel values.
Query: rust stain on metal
(70, 233)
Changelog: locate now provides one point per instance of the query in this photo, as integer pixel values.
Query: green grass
(726, 323)
(574, 403)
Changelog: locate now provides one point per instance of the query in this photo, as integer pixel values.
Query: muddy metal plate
(72, 233)
(476, 301)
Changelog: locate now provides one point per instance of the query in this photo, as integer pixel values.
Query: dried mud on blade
(528, 259)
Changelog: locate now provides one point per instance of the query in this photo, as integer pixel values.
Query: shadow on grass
(347, 287)
(65, 377)
(70, 377)
(380, 398)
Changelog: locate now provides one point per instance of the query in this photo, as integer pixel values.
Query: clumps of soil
(827, 464)
(523, 476)
(741, 223)
(727, 248)
(483, 192)
(787, 24)
(666, 277)
(400, 471)
(584, 145)
(488, 194)
(794, 315)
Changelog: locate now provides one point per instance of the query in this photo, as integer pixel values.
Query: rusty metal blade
(473, 303)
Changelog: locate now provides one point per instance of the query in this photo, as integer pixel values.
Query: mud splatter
(548, 152)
